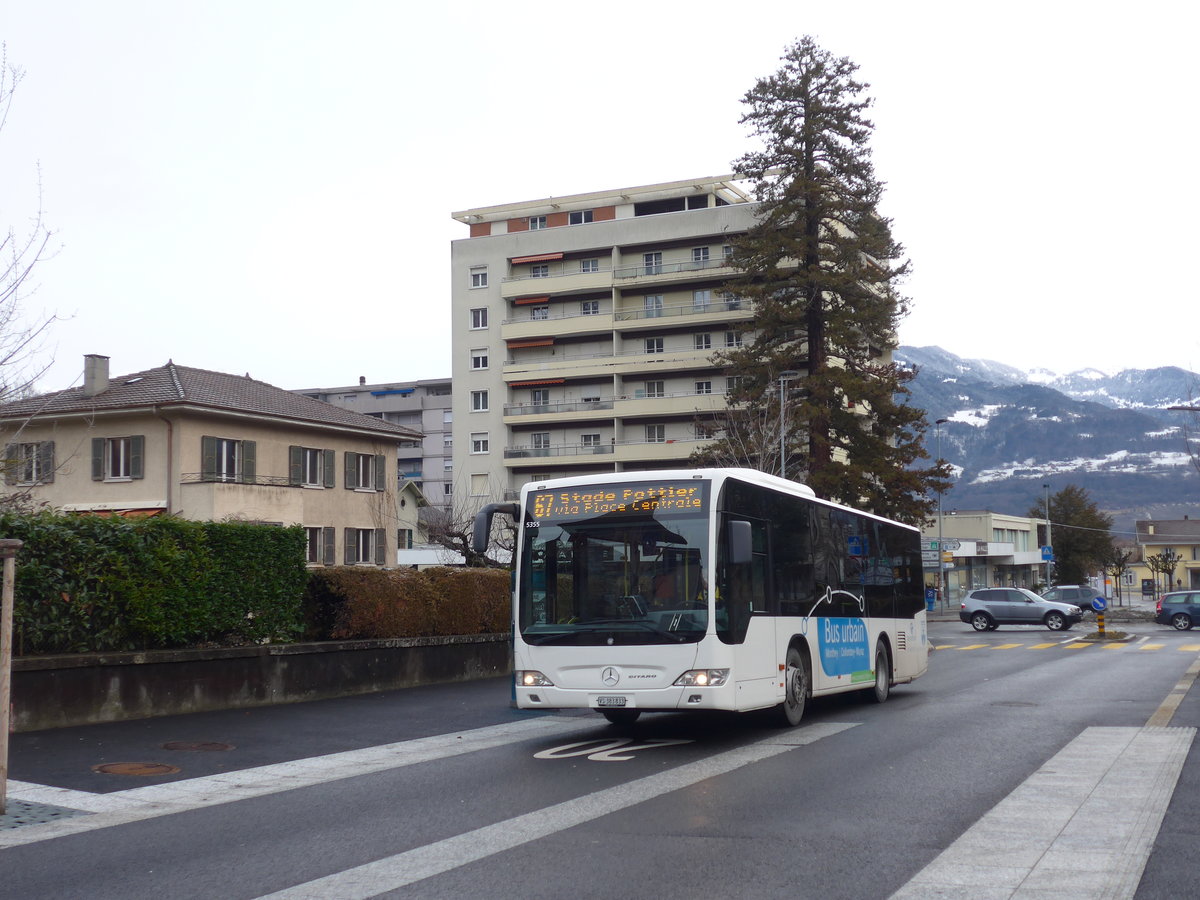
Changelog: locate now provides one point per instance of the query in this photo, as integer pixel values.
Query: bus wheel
(795, 680)
(622, 716)
(883, 675)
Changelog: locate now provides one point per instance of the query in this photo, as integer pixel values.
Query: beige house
(1177, 539)
(211, 446)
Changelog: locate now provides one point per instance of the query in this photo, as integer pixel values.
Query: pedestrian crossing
(1137, 646)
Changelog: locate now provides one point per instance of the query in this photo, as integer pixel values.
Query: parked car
(986, 609)
(1079, 594)
(1180, 609)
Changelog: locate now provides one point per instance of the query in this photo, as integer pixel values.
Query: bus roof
(751, 476)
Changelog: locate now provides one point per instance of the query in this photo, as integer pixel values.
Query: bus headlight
(530, 678)
(702, 678)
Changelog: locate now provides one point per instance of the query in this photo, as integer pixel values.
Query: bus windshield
(615, 564)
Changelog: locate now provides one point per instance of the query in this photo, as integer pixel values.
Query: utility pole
(8, 552)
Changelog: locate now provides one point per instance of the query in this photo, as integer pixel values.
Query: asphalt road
(448, 792)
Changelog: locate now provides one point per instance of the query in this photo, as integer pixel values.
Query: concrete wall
(59, 691)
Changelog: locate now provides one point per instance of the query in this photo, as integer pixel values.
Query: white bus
(703, 589)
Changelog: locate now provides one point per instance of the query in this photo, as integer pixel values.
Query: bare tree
(452, 526)
(21, 249)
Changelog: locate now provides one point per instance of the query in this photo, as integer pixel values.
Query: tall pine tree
(822, 270)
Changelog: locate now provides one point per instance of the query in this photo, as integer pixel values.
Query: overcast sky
(266, 187)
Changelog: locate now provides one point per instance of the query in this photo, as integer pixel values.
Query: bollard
(8, 552)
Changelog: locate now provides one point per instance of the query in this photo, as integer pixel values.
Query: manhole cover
(136, 769)
(196, 745)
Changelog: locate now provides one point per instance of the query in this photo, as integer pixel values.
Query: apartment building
(584, 329)
(422, 406)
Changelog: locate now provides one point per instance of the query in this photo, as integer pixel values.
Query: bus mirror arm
(741, 546)
(483, 523)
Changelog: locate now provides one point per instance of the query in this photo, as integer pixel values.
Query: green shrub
(91, 583)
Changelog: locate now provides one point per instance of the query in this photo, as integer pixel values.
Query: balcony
(558, 322)
(689, 315)
(559, 450)
(634, 404)
(677, 449)
(560, 280)
(670, 272)
(603, 365)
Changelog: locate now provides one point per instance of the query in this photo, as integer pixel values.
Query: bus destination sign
(642, 497)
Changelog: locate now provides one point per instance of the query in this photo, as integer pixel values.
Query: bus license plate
(610, 701)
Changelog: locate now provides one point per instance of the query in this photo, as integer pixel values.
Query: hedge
(350, 602)
(92, 583)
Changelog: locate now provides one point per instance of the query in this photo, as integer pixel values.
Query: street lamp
(784, 378)
(941, 564)
(1049, 543)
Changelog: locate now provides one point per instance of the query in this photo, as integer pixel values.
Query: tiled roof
(1167, 530)
(173, 385)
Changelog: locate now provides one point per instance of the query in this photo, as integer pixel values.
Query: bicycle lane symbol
(618, 750)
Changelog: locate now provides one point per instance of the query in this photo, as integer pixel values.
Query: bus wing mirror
(483, 524)
(741, 546)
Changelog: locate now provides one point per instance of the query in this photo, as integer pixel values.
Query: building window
(580, 217)
(589, 308)
(539, 396)
(225, 459)
(730, 301)
(540, 440)
(702, 341)
(699, 254)
(365, 472)
(479, 485)
(539, 312)
(732, 383)
(704, 432)
(29, 463)
(655, 389)
(541, 270)
(479, 442)
(479, 317)
(478, 276)
(404, 538)
(727, 251)
(479, 358)
(733, 339)
(117, 459)
(654, 345)
(652, 262)
(537, 223)
(320, 550)
(479, 401)
(703, 387)
(447, 491)
(365, 546)
(589, 265)
(310, 467)
(653, 304)
(701, 299)
(656, 434)
(589, 440)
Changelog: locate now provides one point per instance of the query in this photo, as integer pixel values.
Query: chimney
(362, 380)
(95, 374)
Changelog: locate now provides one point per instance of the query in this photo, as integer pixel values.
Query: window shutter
(10, 464)
(46, 461)
(327, 459)
(97, 459)
(295, 465)
(380, 474)
(349, 546)
(351, 470)
(249, 463)
(137, 455)
(208, 458)
(381, 546)
(329, 535)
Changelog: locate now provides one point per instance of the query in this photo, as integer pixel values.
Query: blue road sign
(1099, 604)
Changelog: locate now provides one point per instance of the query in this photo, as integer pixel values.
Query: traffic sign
(951, 545)
(1099, 604)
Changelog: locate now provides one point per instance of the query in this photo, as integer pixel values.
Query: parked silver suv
(986, 609)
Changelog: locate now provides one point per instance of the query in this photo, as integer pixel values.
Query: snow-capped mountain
(1009, 432)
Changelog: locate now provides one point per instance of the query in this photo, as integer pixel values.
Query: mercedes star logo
(610, 676)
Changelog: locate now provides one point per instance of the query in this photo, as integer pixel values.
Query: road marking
(1086, 820)
(394, 872)
(122, 807)
(618, 750)
(1151, 646)
(1166, 710)
(1008, 646)
(1044, 646)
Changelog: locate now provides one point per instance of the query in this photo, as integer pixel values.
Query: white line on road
(414, 865)
(122, 807)
(1082, 826)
